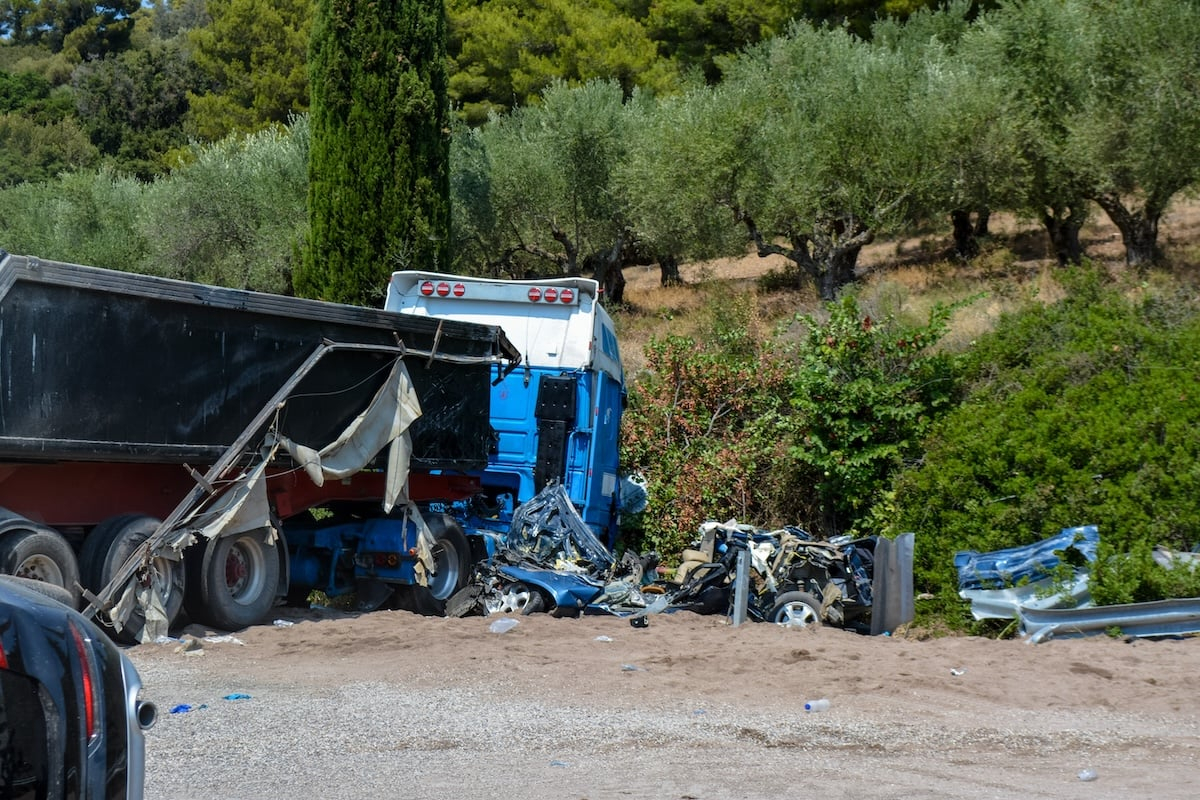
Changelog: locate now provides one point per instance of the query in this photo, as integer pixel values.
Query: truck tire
(452, 559)
(106, 550)
(796, 610)
(41, 554)
(232, 580)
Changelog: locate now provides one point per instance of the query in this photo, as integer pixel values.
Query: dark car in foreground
(71, 723)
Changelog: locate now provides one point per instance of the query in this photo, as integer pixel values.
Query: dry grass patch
(903, 277)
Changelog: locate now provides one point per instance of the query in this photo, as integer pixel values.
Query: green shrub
(862, 392)
(1080, 412)
(688, 428)
(740, 424)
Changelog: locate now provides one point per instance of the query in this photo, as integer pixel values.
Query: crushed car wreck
(550, 561)
(792, 579)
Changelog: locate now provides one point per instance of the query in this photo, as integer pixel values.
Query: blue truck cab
(556, 417)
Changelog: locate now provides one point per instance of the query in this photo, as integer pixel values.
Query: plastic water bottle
(816, 705)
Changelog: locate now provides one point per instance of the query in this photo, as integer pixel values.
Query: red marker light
(551, 294)
(427, 288)
(443, 289)
(88, 683)
(535, 294)
(566, 295)
(459, 290)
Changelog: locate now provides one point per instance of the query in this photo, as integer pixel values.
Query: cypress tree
(379, 183)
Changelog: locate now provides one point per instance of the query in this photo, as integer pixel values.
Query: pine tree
(379, 163)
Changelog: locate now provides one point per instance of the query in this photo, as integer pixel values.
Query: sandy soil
(393, 704)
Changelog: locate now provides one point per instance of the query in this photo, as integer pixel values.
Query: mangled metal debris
(1017, 565)
(1021, 583)
(795, 580)
(551, 561)
(1001, 582)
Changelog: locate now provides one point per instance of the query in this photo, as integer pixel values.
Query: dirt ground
(397, 705)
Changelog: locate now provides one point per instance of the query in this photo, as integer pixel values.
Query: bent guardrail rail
(1155, 618)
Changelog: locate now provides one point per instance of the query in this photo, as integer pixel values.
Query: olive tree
(826, 148)
(1040, 53)
(547, 170)
(1138, 143)
(1109, 111)
(960, 103)
(663, 191)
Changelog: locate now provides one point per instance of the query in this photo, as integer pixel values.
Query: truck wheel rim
(40, 568)
(169, 576)
(444, 580)
(243, 572)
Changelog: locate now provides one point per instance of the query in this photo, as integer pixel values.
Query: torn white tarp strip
(150, 599)
(384, 422)
(242, 507)
(147, 597)
(425, 563)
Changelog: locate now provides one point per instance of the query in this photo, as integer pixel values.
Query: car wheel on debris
(523, 599)
(796, 610)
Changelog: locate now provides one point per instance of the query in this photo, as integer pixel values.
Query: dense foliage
(1078, 412)
(862, 394)
(690, 427)
(233, 215)
(777, 430)
(379, 191)
(253, 58)
(240, 65)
